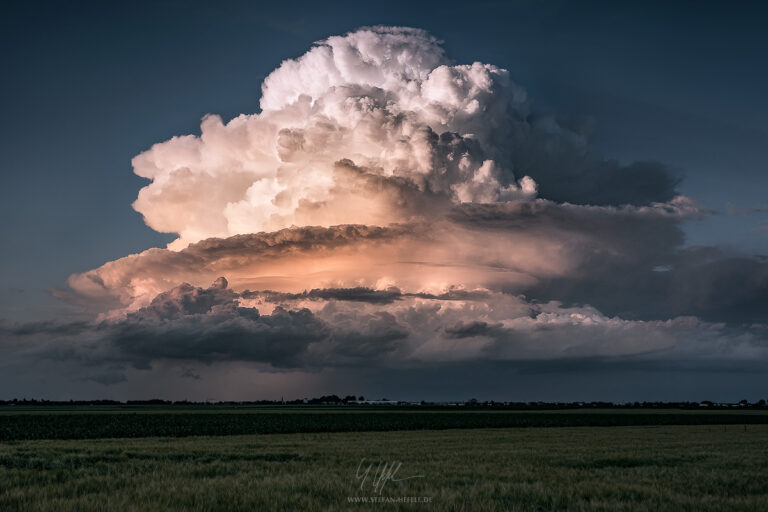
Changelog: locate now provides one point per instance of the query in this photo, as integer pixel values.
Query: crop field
(94, 422)
(670, 467)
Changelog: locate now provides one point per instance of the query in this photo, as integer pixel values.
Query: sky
(513, 200)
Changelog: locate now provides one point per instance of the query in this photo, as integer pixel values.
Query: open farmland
(693, 468)
(96, 422)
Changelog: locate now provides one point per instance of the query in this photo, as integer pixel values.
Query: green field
(584, 468)
(95, 422)
(306, 458)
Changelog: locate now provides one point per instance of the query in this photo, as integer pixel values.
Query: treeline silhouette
(352, 400)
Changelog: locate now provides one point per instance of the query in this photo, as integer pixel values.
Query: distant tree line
(353, 400)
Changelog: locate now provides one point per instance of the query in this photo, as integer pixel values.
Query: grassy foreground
(584, 468)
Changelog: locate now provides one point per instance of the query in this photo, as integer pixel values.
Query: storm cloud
(391, 209)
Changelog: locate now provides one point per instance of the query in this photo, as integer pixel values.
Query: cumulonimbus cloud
(388, 206)
(374, 127)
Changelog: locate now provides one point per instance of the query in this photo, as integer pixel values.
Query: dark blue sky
(88, 85)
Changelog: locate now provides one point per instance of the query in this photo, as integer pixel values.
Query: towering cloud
(390, 208)
(374, 127)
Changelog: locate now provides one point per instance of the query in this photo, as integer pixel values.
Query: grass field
(583, 468)
(95, 422)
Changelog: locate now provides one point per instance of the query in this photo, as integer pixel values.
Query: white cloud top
(385, 100)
